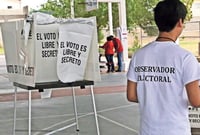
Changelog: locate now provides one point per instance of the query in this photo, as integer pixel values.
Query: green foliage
(135, 46)
(100, 36)
(115, 13)
(139, 12)
(1, 50)
(188, 4)
(133, 49)
(61, 8)
(151, 30)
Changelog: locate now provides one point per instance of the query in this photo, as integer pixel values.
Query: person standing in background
(119, 50)
(163, 77)
(109, 53)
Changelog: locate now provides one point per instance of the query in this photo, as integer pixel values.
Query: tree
(188, 4)
(139, 12)
(61, 8)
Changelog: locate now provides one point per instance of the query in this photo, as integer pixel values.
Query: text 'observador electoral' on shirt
(152, 77)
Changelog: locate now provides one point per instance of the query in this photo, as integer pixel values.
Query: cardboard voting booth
(47, 49)
(44, 52)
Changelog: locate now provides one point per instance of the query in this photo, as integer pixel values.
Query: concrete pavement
(115, 114)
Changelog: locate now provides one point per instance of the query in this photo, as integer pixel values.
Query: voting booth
(46, 49)
(45, 52)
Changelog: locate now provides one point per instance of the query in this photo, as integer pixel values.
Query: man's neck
(167, 36)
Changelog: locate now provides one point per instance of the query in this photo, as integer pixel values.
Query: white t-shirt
(161, 69)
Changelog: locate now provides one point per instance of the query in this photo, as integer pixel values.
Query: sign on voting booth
(194, 117)
(47, 49)
(73, 50)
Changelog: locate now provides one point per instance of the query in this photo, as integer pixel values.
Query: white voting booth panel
(47, 49)
(44, 52)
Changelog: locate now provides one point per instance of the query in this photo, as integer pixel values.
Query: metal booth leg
(95, 111)
(15, 111)
(75, 114)
(29, 112)
(75, 108)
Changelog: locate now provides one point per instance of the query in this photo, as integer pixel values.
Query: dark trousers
(110, 62)
(119, 58)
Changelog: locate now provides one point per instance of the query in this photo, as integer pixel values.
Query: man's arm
(132, 91)
(193, 93)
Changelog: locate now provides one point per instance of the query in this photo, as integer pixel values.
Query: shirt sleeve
(191, 69)
(131, 75)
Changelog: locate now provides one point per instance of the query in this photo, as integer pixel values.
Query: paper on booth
(46, 42)
(19, 48)
(92, 71)
(75, 38)
(44, 19)
(46, 45)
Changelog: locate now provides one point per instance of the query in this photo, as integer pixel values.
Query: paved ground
(116, 116)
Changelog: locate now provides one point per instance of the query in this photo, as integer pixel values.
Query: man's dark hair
(109, 38)
(114, 41)
(167, 13)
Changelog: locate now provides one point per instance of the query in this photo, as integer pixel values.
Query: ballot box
(44, 52)
(42, 48)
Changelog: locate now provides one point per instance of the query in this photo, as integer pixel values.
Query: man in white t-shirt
(163, 78)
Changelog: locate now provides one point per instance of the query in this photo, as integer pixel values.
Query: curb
(62, 92)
